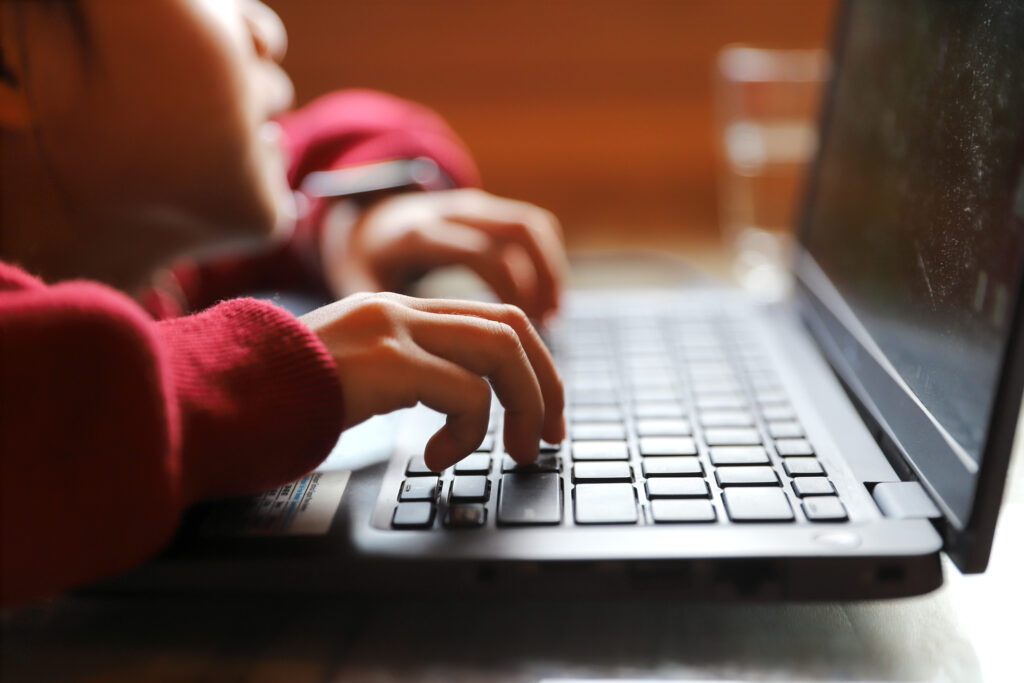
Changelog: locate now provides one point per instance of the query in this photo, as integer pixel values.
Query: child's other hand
(515, 247)
(393, 351)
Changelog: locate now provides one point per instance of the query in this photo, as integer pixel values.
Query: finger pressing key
(498, 341)
(463, 397)
(492, 349)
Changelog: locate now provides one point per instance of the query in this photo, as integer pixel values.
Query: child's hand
(515, 247)
(393, 351)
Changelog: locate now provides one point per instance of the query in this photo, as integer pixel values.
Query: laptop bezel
(968, 525)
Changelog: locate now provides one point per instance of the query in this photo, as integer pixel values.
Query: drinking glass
(767, 101)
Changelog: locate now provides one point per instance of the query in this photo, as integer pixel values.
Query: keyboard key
(763, 380)
(578, 382)
(598, 431)
(418, 468)
(593, 344)
(595, 414)
(470, 489)
(704, 354)
(528, 499)
(611, 471)
(704, 387)
(648, 363)
(813, 486)
(802, 467)
(710, 386)
(666, 445)
(584, 365)
(605, 504)
(721, 402)
(781, 411)
(413, 516)
(600, 450)
(677, 487)
(673, 467)
(703, 337)
(746, 476)
(648, 379)
(731, 436)
(714, 385)
(785, 430)
(663, 427)
(825, 509)
(655, 394)
(757, 368)
(420, 488)
(658, 409)
(478, 463)
(701, 370)
(546, 447)
(757, 505)
(768, 396)
(595, 398)
(487, 445)
(793, 447)
(726, 418)
(642, 345)
(739, 455)
(682, 511)
(545, 462)
(466, 516)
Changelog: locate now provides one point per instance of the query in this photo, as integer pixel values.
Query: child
(136, 133)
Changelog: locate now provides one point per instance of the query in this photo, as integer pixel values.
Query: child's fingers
(533, 231)
(463, 396)
(540, 363)
(508, 261)
(512, 279)
(393, 351)
(492, 349)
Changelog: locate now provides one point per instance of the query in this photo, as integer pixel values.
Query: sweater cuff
(260, 399)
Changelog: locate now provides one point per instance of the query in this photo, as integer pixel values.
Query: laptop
(828, 447)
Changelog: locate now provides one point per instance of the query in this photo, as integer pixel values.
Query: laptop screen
(916, 215)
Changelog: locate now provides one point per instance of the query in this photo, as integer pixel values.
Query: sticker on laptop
(302, 508)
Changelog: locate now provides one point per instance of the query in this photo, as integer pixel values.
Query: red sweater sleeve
(351, 127)
(110, 422)
(343, 128)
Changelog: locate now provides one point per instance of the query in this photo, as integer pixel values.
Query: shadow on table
(308, 639)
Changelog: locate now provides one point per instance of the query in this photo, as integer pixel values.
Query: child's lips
(272, 136)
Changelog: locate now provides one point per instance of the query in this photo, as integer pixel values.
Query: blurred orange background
(600, 110)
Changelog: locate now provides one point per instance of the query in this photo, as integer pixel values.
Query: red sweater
(111, 422)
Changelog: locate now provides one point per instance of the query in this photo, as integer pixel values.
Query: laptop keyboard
(671, 420)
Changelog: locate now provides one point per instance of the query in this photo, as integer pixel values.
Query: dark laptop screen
(917, 213)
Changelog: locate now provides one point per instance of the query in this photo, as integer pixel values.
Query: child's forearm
(110, 423)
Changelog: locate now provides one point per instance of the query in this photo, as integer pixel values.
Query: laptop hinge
(904, 500)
